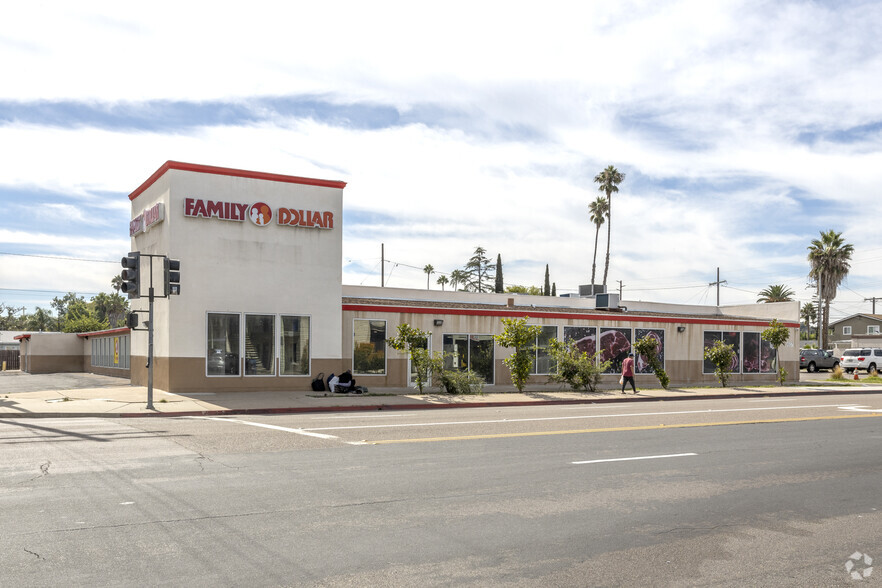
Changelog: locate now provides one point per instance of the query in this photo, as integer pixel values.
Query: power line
(57, 257)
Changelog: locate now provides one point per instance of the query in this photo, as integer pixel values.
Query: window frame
(385, 371)
(239, 334)
(846, 329)
(281, 332)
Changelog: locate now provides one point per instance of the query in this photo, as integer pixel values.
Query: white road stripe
(575, 417)
(860, 409)
(633, 458)
(363, 416)
(274, 427)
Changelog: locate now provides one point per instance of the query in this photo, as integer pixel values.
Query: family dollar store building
(262, 304)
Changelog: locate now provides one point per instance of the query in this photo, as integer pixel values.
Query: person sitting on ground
(346, 381)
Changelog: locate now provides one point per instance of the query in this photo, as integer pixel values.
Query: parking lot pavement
(14, 382)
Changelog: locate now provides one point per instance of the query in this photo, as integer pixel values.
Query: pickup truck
(813, 360)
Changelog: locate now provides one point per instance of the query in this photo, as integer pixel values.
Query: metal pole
(150, 343)
(382, 264)
(718, 286)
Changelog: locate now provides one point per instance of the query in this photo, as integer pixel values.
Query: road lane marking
(570, 417)
(616, 429)
(860, 409)
(632, 458)
(265, 426)
(364, 416)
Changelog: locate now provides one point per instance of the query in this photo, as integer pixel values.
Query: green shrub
(648, 348)
(461, 382)
(721, 356)
(575, 367)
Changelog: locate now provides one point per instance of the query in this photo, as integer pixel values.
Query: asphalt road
(595, 495)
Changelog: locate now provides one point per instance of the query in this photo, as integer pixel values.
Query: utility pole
(717, 284)
(620, 288)
(873, 300)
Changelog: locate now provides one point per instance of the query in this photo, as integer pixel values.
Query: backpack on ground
(318, 384)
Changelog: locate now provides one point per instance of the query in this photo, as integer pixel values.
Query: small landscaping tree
(522, 338)
(721, 356)
(575, 367)
(777, 335)
(414, 342)
(648, 348)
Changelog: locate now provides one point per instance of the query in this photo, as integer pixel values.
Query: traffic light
(131, 274)
(172, 272)
(132, 320)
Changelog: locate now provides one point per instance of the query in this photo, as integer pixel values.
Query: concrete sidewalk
(72, 395)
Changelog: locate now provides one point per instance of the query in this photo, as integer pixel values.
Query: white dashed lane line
(265, 426)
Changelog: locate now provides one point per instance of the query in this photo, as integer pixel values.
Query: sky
(744, 129)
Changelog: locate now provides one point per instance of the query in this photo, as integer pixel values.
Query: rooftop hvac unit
(606, 301)
(591, 289)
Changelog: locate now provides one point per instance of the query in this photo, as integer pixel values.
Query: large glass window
(732, 338)
(295, 346)
(642, 363)
(759, 355)
(222, 352)
(584, 337)
(615, 345)
(474, 352)
(368, 346)
(542, 363)
(260, 345)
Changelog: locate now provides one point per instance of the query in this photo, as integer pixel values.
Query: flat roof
(227, 171)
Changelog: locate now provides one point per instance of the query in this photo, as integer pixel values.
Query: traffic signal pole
(132, 286)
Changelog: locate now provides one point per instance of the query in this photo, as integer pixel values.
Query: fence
(11, 357)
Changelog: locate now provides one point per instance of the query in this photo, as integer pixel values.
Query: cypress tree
(547, 291)
(554, 289)
(499, 286)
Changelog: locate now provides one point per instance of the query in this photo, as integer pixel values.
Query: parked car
(813, 360)
(861, 359)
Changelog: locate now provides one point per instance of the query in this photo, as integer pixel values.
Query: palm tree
(457, 277)
(442, 279)
(116, 283)
(599, 210)
(809, 314)
(609, 180)
(429, 271)
(776, 293)
(829, 257)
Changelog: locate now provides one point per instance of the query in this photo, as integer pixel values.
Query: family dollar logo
(260, 214)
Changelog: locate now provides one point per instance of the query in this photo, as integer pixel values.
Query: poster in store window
(585, 338)
(116, 351)
(642, 363)
(615, 345)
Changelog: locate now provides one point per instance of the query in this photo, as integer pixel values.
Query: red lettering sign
(234, 211)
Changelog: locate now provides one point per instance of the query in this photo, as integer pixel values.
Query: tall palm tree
(599, 209)
(457, 277)
(830, 258)
(609, 180)
(809, 314)
(776, 293)
(442, 279)
(429, 271)
(116, 283)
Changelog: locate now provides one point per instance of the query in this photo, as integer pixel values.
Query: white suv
(861, 359)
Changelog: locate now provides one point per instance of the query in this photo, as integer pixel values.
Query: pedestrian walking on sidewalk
(628, 373)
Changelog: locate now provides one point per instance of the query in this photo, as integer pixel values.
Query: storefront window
(295, 346)
(260, 345)
(368, 346)
(474, 352)
(732, 338)
(542, 363)
(222, 352)
(615, 345)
